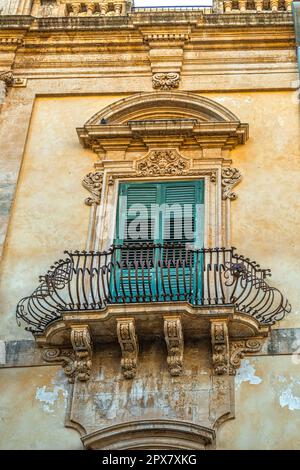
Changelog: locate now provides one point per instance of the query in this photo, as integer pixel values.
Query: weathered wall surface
(32, 409)
(266, 215)
(267, 406)
(107, 399)
(49, 214)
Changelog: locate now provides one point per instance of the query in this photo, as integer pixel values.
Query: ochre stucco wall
(32, 409)
(49, 215)
(267, 393)
(266, 215)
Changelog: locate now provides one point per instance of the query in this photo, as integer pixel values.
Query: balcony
(259, 6)
(148, 274)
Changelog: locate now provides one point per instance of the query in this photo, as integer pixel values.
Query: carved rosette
(129, 346)
(165, 81)
(82, 345)
(220, 347)
(93, 182)
(162, 163)
(230, 178)
(175, 345)
(238, 349)
(66, 357)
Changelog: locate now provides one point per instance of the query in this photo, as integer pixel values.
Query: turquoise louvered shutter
(158, 213)
(182, 227)
(134, 221)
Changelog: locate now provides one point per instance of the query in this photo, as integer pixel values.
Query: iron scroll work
(152, 273)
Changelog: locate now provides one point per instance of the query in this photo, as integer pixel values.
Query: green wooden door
(157, 225)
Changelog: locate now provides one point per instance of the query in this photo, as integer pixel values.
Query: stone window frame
(128, 133)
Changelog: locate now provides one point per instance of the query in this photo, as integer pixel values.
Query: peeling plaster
(246, 373)
(287, 395)
(49, 396)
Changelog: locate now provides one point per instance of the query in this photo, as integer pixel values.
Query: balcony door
(159, 226)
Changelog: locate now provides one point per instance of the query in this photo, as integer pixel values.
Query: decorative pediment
(144, 120)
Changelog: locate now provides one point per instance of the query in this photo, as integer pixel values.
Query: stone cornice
(225, 135)
(146, 19)
(146, 30)
(197, 45)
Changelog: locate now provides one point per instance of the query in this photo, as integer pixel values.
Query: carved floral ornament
(165, 80)
(230, 178)
(93, 183)
(161, 163)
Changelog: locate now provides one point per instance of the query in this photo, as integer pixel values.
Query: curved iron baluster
(148, 272)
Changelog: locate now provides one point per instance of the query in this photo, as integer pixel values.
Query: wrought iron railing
(152, 273)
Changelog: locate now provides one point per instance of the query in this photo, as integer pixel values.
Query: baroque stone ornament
(129, 346)
(83, 348)
(162, 163)
(220, 347)
(165, 80)
(230, 178)
(238, 349)
(66, 357)
(93, 182)
(7, 78)
(175, 346)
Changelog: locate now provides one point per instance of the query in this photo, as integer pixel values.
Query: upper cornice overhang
(137, 20)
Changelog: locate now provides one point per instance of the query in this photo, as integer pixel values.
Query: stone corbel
(83, 349)
(220, 347)
(129, 346)
(65, 357)
(239, 348)
(175, 345)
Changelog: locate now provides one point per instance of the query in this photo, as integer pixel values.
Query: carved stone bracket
(165, 80)
(83, 348)
(93, 182)
(66, 357)
(238, 349)
(230, 178)
(175, 345)
(220, 347)
(129, 346)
